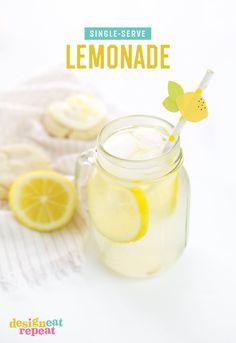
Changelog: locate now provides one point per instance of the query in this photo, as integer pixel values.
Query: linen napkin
(28, 257)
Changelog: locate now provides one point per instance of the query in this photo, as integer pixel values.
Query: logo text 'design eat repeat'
(35, 326)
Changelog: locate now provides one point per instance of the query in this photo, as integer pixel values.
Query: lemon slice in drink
(118, 213)
(43, 200)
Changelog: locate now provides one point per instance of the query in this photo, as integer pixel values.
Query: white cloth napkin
(26, 256)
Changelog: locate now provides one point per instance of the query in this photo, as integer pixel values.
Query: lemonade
(138, 197)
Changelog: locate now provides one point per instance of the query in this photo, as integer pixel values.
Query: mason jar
(136, 197)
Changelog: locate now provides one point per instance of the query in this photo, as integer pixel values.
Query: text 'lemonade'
(138, 197)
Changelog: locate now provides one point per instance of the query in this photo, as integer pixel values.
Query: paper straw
(177, 129)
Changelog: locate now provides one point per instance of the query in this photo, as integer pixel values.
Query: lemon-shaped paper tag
(191, 105)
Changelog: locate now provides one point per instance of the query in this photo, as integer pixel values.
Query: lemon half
(118, 213)
(43, 200)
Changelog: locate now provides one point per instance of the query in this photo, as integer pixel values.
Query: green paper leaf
(174, 90)
(170, 104)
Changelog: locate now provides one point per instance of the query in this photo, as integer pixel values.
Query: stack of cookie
(78, 117)
(18, 159)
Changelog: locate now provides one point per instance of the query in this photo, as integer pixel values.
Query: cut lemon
(118, 213)
(43, 200)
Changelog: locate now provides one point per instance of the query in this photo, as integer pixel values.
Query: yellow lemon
(192, 106)
(119, 213)
(43, 200)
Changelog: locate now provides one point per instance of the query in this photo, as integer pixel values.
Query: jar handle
(83, 166)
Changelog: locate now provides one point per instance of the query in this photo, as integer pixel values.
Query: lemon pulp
(43, 200)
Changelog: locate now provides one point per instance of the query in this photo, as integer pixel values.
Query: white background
(195, 300)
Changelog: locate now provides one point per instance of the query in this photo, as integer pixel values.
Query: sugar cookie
(78, 117)
(17, 159)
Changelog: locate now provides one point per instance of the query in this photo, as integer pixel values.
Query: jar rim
(157, 166)
(111, 123)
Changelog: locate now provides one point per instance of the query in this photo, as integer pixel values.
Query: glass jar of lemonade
(137, 196)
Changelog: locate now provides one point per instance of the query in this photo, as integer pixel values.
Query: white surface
(195, 300)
